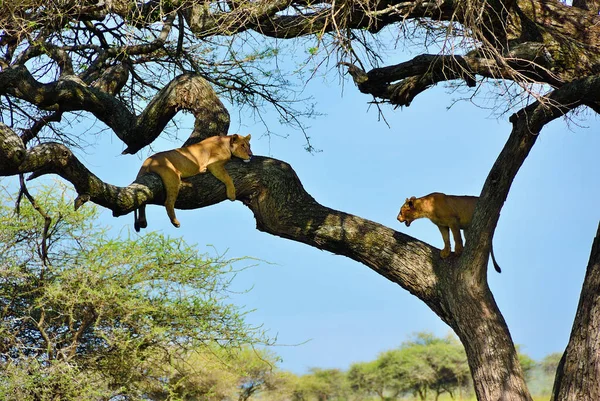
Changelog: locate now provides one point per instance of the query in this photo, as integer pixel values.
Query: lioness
(173, 165)
(447, 212)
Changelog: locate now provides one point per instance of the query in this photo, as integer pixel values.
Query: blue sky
(329, 311)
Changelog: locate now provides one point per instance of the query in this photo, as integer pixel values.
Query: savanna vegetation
(132, 65)
(90, 315)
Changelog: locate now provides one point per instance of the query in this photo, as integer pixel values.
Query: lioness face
(407, 213)
(240, 147)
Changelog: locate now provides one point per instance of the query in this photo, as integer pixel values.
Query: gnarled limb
(188, 92)
(12, 151)
(423, 71)
(281, 206)
(527, 124)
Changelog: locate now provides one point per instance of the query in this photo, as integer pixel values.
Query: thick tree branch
(110, 81)
(281, 206)
(423, 71)
(188, 92)
(12, 151)
(527, 125)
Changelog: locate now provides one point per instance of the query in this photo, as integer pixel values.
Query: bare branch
(43, 251)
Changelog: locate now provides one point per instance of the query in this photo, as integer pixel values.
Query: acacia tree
(88, 316)
(133, 65)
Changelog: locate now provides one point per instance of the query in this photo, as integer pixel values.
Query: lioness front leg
(458, 244)
(446, 237)
(218, 170)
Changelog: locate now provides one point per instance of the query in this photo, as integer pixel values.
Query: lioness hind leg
(458, 244)
(446, 237)
(171, 180)
(139, 216)
(170, 206)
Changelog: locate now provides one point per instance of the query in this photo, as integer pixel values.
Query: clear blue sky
(329, 311)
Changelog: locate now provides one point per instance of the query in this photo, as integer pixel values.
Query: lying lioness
(173, 165)
(447, 212)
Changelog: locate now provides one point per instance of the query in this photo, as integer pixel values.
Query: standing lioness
(173, 165)
(447, 212)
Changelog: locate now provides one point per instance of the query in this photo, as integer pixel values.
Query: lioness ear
(233, 138)
(248, 137)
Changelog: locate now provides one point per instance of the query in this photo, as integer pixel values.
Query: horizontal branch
(304, 18)
(401, 83)
(281, 206)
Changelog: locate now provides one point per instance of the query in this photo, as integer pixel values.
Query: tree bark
(281, 206)
(455, 289)
(185, 92)
(578, 373)
(523, 41)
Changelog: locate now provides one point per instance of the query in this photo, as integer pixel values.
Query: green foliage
(418, 366)
(527, 364)
(218, 373)
(322, 384)
(367, 378)
(102, 315)
(550, 363)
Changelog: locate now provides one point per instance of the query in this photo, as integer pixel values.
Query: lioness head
(407, 212)
(240, 147)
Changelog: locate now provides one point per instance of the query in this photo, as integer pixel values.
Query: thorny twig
(47, 219)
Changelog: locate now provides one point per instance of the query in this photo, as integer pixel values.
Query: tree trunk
(578, 373)
(492, 357)
(456, 288)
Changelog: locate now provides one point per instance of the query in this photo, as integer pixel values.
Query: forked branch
(186, 92)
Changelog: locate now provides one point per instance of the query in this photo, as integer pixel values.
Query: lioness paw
(445, 253)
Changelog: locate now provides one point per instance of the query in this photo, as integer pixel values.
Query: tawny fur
(172, 165)
(448, 213)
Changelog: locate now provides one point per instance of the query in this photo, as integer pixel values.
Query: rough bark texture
(185, 92)
(520, 41)
(578, 374)
(455, 289)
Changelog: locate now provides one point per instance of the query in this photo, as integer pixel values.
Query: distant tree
(368, 378)
(322, 385)
(284, 388)
(527, 364)
(207, 374)
(258, 372)
(219, 373)
(550, 363)
(427, 363)
(87, 315)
